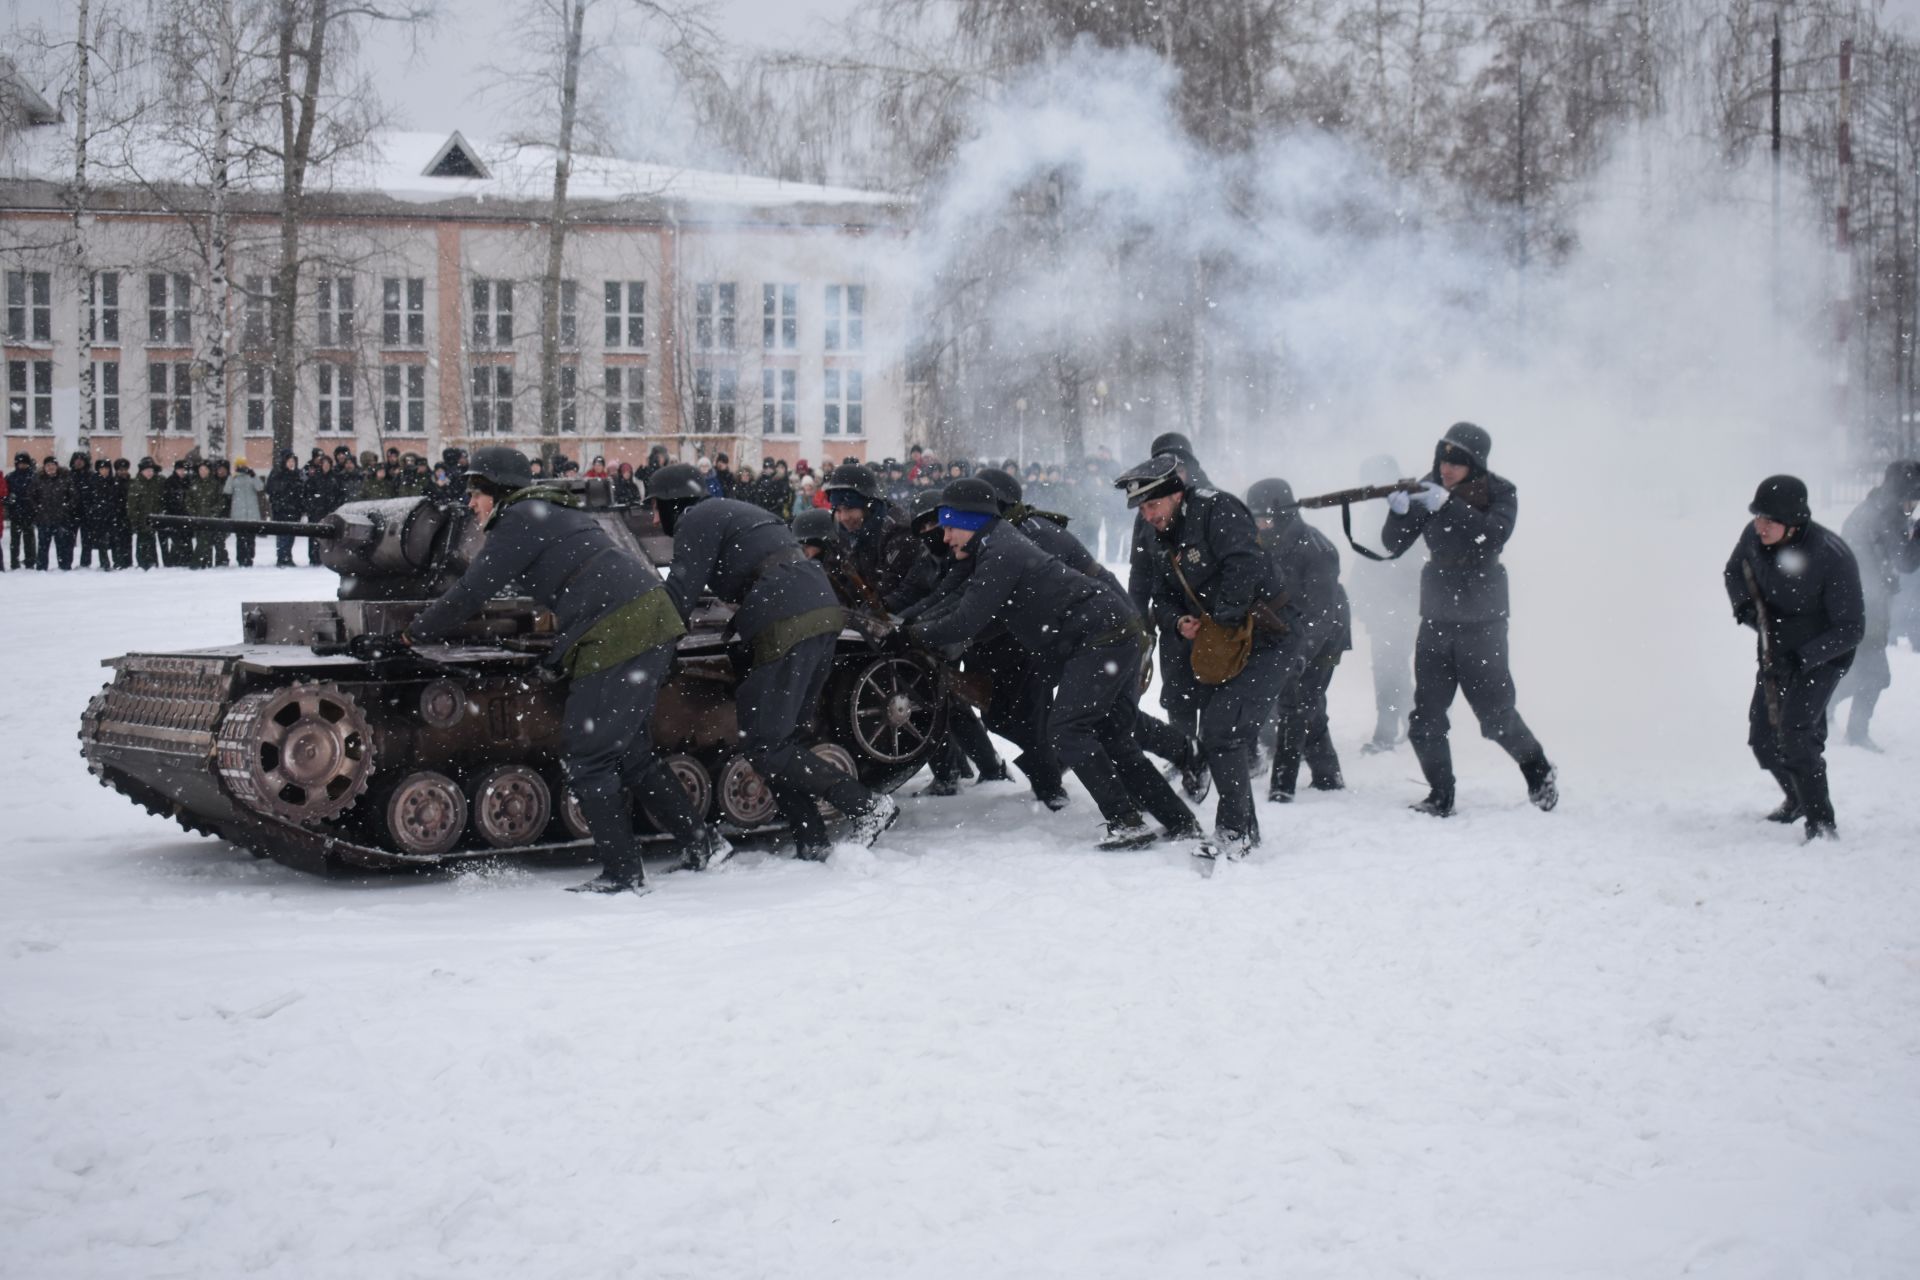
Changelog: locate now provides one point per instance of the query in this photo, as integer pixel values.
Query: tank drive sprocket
(302, 753)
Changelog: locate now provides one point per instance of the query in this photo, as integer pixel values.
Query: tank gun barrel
(326, 532)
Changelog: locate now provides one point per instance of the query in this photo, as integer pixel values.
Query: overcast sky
(438, 86)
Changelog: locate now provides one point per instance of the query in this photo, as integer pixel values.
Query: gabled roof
(456, 159)
(22, 101)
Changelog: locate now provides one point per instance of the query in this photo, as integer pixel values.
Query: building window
(259, 384)
(493, 400)
(569, 313)
(713, 317)
(106, 397)
(780, 317)
(256, 308)
(29, 306)
(169, 308)
(626, 400)
(493, 313)
(843, 402)
(30, 397)
(846, 317)
(776, 402)
(626, 315)
(336, 398)
(714, 391)
(403, 311)
(169, 397)
(103, 308)
(403, 404)
(335, 294)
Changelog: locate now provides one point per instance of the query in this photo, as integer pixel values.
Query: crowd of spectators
(102, 510)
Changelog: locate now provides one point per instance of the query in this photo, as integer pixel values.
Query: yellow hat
(241, 461)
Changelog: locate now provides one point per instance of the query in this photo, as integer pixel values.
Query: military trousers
(776, 703)
(1091, 729)
(608, 751)
(1468, 658)
(1301, 729)
(53, 538)
(146, 549)
(1232, 716)
(1794, 752)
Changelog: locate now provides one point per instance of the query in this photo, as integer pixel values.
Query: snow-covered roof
(398, 165)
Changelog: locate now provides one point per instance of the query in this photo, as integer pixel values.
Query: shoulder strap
(1346, 526)
(1199, 610)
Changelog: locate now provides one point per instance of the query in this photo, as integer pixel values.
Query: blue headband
(971, 521)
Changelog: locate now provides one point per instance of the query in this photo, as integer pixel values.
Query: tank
(290, 746)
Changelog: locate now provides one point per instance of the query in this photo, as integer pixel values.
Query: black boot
(1195, 777)
(1438, 804)
(1818, 805)
(706, 850)
(1790, 809)
(1436, 763)
(1543, 783)
(604, 807)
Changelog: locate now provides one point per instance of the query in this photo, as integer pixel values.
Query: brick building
(707, 312)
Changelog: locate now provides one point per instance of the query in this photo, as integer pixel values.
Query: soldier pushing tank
(617, 627)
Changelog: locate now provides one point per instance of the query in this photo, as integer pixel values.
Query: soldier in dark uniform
(97, 492)
(56, 514)
(1886, 543)
(789, 620)
(881, 548)
(1466, 514)
(1206, 560)
(1181, 696)
(1809, 583)
(322, 496)
(1319, 629)
(146, 498)
(20, 543)
(1050, 531)
(617, 628)
(1091, 640)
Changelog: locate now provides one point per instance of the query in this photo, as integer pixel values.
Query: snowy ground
(1647, 1035)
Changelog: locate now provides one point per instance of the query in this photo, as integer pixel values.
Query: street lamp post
(1020, 447)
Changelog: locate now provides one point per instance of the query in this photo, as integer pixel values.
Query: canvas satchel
(1219, 653)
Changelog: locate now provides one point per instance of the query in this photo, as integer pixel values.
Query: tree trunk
(298, 107)
(216, 323)
(83, 273)
(557, 231)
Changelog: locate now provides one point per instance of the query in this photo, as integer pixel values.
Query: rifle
(1345, 498)
(1769, 682)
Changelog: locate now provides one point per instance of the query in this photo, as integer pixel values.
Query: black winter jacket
(1219, 550)
(1048, 608)
(747, 557)
(1316, 610)
(1464, 580)
(1884, 542)
(287, 494)
(56, 502)
(1812, 588)
(560, 557)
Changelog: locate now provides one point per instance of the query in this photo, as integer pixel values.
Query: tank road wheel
(511, 806)
(694, 780)
(425, 814)
(893, 708)
(745, 798)
(302, 753)
(570, 814)
(840, 758)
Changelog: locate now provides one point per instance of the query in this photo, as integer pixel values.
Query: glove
(1432, 496)
(1746, 614)
(1399, 501)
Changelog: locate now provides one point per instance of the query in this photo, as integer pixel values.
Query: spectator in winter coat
(222, 471)
(204, 498)
(56, 513)
(146, 498)
(323, 495)
(286, 501)
(243, 491)
(20, 542)
(176, 544)
(95, 487)
(1886, 543)
(6, 506)
(626, 489)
